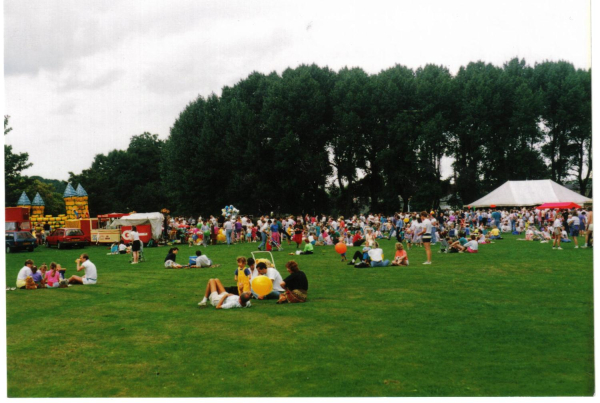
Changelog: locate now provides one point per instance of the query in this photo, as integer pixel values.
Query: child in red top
(253, 234)
(401, 258)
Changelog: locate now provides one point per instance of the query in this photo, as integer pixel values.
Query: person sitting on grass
(170, 259)
(495, 233)
(36, 275)
(376, 255)
(564, 237)
(295, 285)
(275, 278)
(221, 299)
(90, 274)
(308, 248)
(24, 273)
(53, 275)
(360, 259)
(401, 258)
(471, 246)
(202, 260)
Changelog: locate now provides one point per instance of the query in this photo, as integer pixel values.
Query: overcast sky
(82, 77)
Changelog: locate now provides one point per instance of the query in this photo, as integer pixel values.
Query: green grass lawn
(514, 320)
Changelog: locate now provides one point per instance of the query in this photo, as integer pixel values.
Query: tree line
(313, 140)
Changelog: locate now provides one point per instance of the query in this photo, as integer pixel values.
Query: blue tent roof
(24, 200)
(37, 200)
(69, 191)
(81, 191)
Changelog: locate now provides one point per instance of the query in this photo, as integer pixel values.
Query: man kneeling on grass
(220, 299)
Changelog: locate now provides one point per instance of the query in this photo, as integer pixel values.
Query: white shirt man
(89, 268)
(228, 225)
(244, 221)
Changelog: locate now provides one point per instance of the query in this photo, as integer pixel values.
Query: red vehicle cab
(63, 237)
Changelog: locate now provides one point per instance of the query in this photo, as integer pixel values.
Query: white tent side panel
(529, 193)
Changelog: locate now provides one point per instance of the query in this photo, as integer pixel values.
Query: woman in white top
(135, 244)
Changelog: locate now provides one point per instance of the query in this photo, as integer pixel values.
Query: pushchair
(141, 257)
(272, 260)
(273, 245)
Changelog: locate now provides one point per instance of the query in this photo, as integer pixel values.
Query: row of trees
(315, 140)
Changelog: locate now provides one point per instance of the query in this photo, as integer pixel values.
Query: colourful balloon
(262, 285)
(341, 248)
(221, 238)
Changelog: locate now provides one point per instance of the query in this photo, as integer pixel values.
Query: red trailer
(17, 219)
(145, 232)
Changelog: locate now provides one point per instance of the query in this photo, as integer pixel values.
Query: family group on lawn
(30, 277)
(292, 289)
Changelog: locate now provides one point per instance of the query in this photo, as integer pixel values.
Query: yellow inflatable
(262, 285)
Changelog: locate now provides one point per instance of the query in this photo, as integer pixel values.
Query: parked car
(20, 240)
(63, 237)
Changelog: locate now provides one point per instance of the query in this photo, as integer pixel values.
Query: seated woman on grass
(401, 258)
(170, 259)
(295, 285)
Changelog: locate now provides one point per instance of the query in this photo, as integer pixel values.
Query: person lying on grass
(295, 285)
(220, 299)
(275, 278)
(202, 260)
(89, 268)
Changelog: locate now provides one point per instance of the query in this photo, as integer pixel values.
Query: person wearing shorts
(135, 245)
(89, 268)
(574, 225)
(221, 299)
(556, 232)
(426, 235)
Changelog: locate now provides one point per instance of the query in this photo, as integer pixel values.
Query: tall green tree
(14, 164)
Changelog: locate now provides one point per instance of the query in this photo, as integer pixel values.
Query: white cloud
(82, 77)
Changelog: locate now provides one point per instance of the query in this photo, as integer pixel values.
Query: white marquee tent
(154, 219)
(530, 193)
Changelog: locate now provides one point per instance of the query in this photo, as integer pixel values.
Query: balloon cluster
(230, 211)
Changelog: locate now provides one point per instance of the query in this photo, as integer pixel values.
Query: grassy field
(514, 320)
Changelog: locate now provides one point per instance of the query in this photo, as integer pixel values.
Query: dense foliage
(318, 141)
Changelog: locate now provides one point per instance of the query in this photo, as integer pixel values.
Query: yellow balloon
(221, 238)
(406, 219)
(262, 285)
